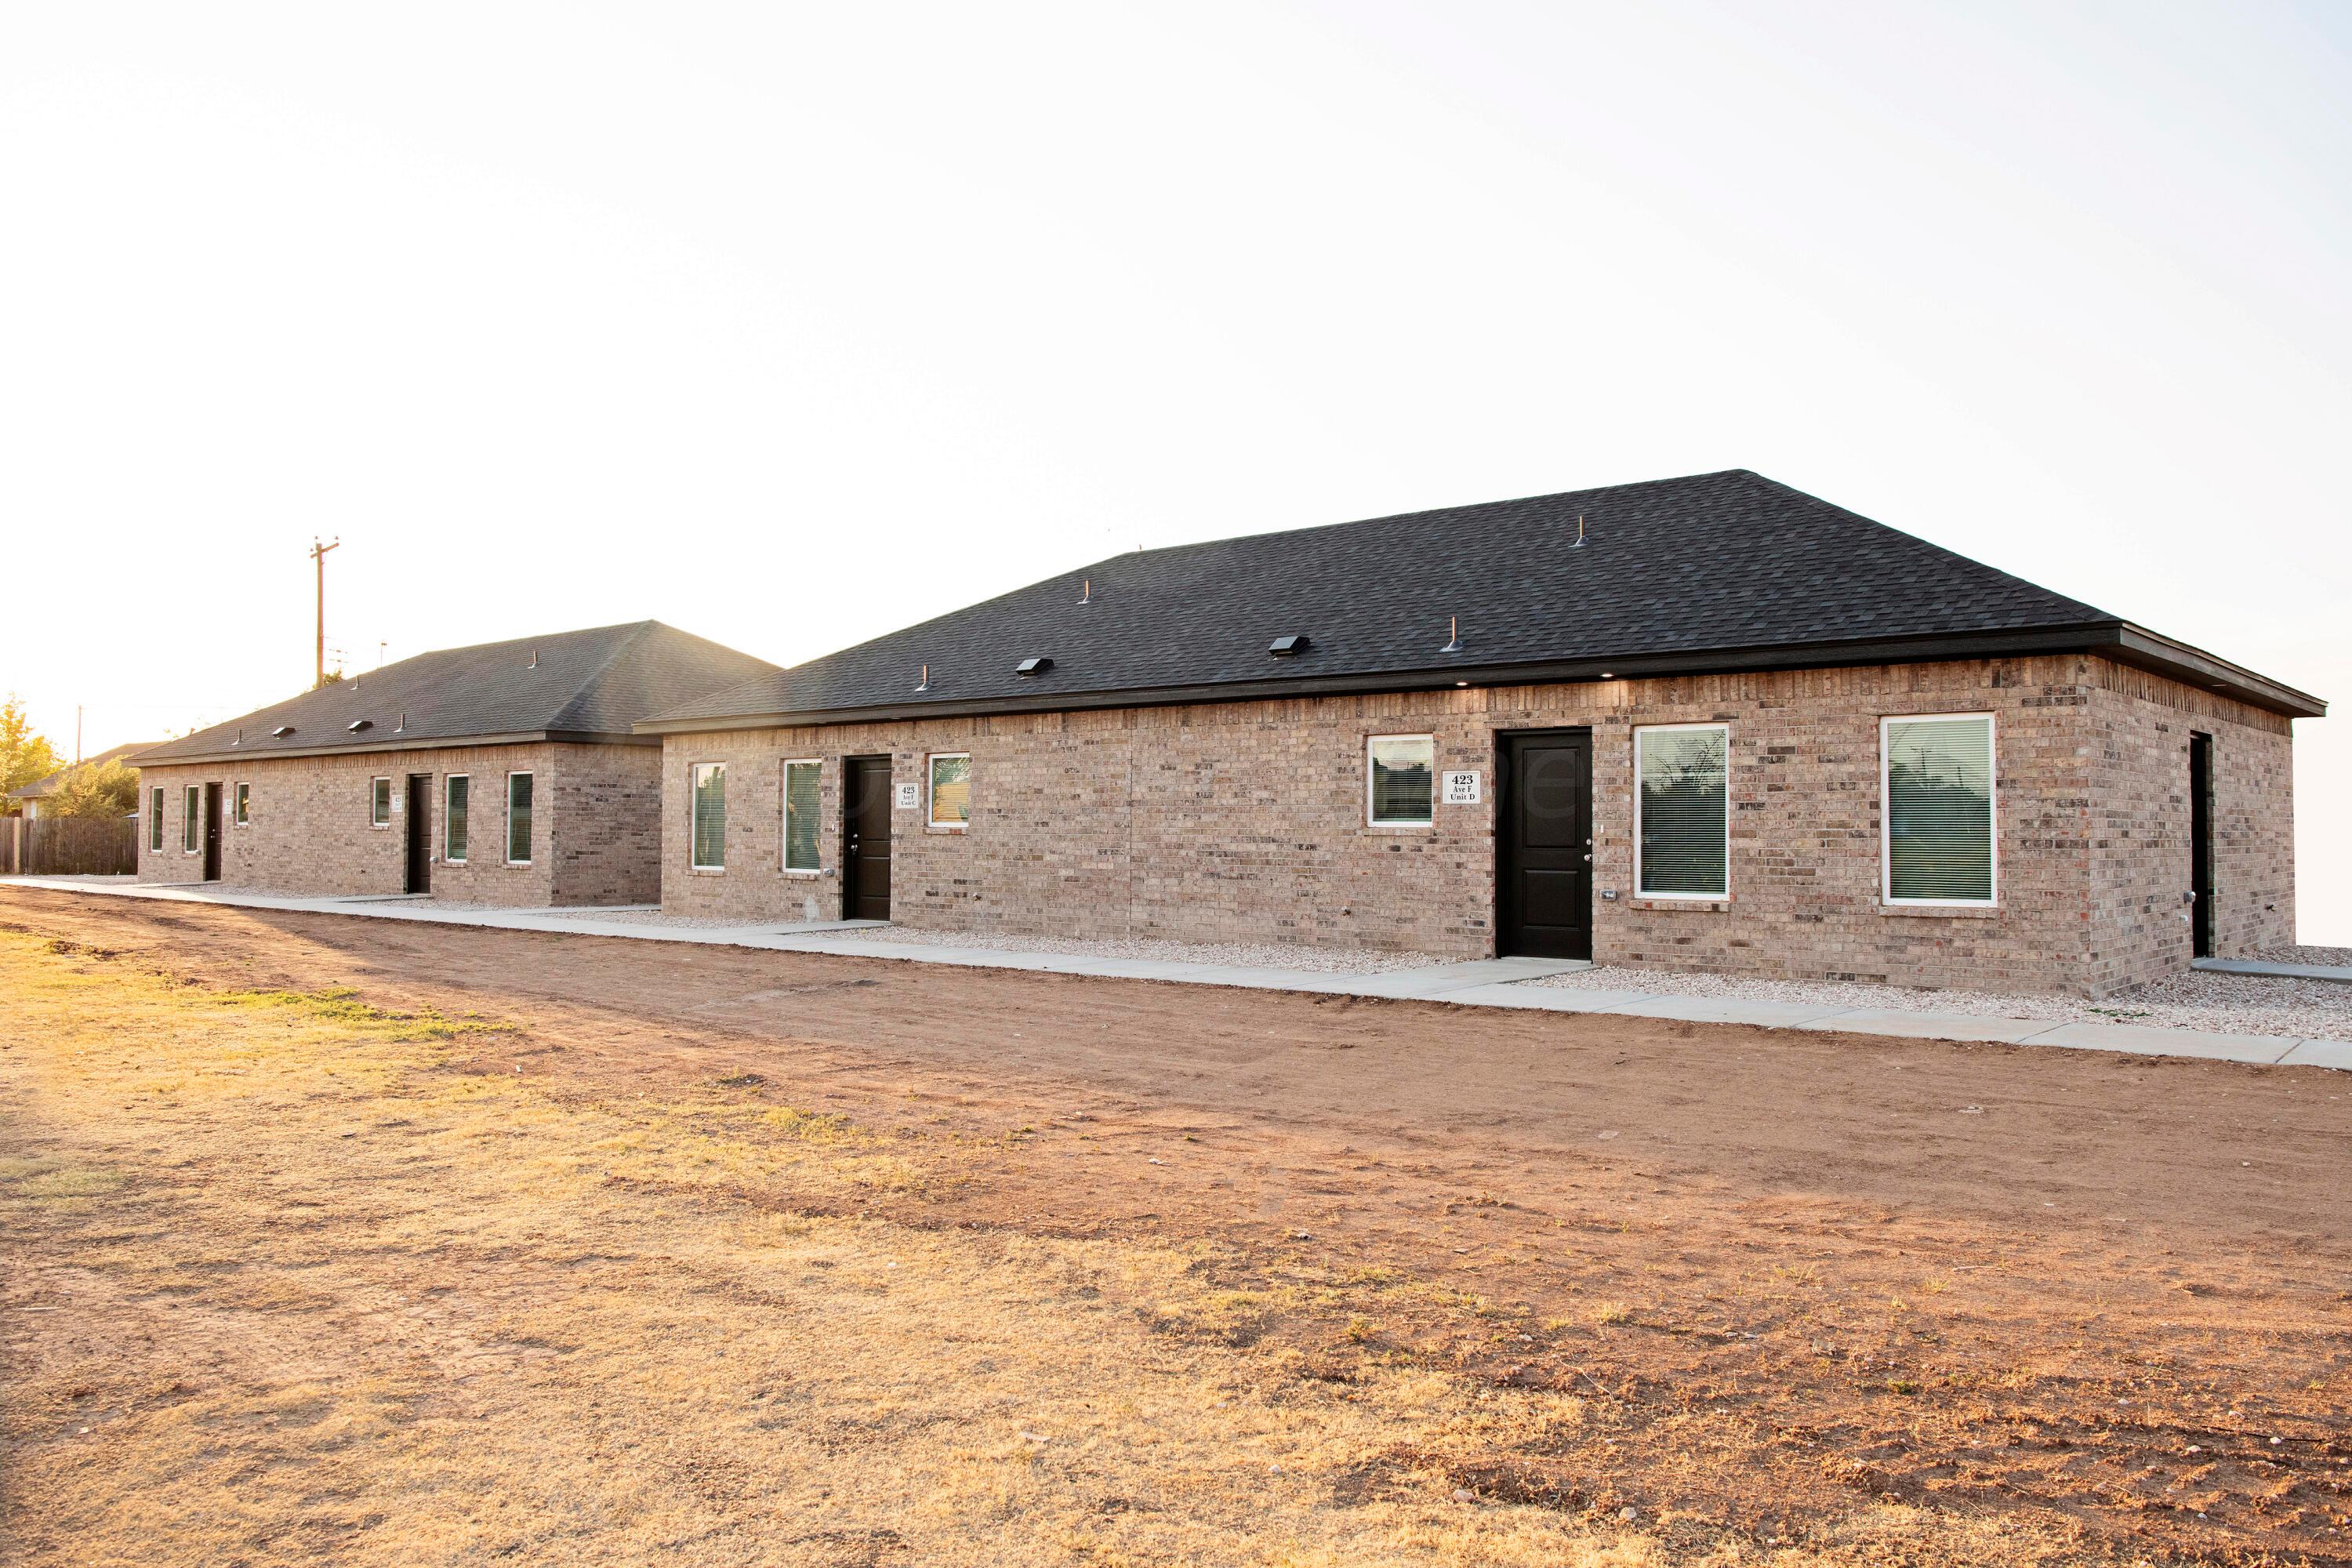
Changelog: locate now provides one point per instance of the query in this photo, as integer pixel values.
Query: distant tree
(329, 677)
(25, 757)
(92, 790)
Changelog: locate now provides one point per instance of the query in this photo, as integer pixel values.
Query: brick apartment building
(506, 773)
(1708, 722)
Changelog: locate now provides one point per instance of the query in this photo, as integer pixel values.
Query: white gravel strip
(2325, 957)
(1247, 956)
(655, 918)
(2224, 1004)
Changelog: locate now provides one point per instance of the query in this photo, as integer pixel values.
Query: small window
(379, 803)
(1682, 811)
(804, 806)
(244, 804)
(1402, 770)
(191, 824)
(155, 819)
(453, 818)
(518, 819)
(951, 789)
(710, 846)
(1938, 808)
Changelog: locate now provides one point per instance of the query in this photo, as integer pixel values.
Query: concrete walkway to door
(1486, 982)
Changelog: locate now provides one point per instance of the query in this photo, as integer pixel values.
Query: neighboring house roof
(1714, 571)
(591, 685)
(41, 789)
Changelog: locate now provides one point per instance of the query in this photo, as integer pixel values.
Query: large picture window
(951, 789)
(803, 807)
(155, 819)
(1682, 808)
(457, 794)
(379, 803)
(710, 837)
(191, 822)
(1938, 808)
(1402, 776)
(518, 819)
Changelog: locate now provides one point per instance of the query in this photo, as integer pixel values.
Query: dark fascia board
(2145, 649)
(398, 743)
(2106, 638)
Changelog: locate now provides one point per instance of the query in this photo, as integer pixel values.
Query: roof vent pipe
(1453, 635)
(1578, 543)
(925, 683)
(1087, 592)
(534, 660)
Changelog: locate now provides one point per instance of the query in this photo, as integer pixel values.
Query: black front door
(212, 832)
(420, 833)
(866, 824)
(1543, 845)
(2200, 844)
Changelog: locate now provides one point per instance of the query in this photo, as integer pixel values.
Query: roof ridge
(637, 629)
(1811, 499)
(1420, 511)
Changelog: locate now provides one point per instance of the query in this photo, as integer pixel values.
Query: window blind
(453, 821)
(1403, 774)
(519, 817)
(1685, 811)
(1939, 810)
(802, 811)
(950, 791)
(710, 816)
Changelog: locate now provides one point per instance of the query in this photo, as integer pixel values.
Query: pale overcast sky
(792, 324)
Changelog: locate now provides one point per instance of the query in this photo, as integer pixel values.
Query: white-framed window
(379, 803)
(155, 819)
(803, 813)
(243, 806)
(1400, 779)
(192, 821)
(951, 790)
(708, 840)
(1937, 838)
(456, 794)
(518, 819)
(1682, 811)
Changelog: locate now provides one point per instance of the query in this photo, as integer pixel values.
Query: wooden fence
(70, 845)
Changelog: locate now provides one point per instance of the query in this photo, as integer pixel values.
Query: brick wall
(1246, 821)
(595, 825)
(2140, 726)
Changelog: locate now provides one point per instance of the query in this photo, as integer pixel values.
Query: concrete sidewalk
(1486, 982)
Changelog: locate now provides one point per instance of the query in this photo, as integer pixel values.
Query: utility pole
(319, 555)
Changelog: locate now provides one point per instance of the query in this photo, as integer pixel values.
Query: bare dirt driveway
(335, 1239)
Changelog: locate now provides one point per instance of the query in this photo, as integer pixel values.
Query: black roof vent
(1038, 666)
(1286, 645)
(283, 731)
(356, 725)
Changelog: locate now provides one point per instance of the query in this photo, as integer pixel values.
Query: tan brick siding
(1247, 821)
(595, 825)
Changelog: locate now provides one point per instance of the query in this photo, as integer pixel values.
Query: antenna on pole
(318, 557)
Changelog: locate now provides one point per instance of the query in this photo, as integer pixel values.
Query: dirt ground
(338, 1239)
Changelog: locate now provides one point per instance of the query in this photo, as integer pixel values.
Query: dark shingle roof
(598, 682)
(1673, 573)
(42, 788)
